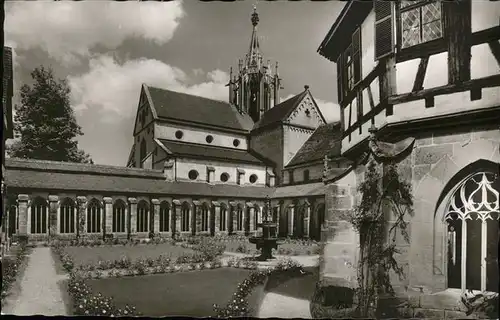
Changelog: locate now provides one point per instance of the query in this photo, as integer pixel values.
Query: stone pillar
(232, 217)
(216, 205)
(291, 220)
(81, 226)
(132, 229)
(278, 217)
(108, 216)
(175, 218)
(196, 218)
(156, 215)
(22, 212)
(53, 216)
(244, 218)
(307, 219)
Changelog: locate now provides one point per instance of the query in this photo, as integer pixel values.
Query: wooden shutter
(384, 38)
(340, 87)
(356, 54)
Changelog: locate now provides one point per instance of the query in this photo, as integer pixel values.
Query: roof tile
(280, 111)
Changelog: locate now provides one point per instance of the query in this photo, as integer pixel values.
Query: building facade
(419, 85)
(196, 166)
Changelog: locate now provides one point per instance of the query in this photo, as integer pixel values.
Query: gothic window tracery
(143, 216)
(204, 218)
(94, 217)
(39, 216)
(185, 217)
(119, 216)
(222, 220)
(472, 222)
(67, 216)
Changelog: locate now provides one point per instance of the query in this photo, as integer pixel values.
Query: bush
(210, 249)
(241, 248)
(10, 269)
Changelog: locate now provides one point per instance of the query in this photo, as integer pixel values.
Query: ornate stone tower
(255, 89)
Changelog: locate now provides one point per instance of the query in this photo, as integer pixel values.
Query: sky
(106, 50)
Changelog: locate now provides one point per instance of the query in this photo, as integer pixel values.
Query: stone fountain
(268, 240)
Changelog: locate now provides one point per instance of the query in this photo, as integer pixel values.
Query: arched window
(94, 216)
(119, 216)
(142, 152)
(472, 223)
(164, 216)
(239, 218)
(39, 216)
(67, 216)
(143, 216)
(185, 217)
(223, 217)
(204, 217)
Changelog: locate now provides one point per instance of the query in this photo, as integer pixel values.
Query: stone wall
(269, 144)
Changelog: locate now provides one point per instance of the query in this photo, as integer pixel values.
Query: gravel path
(280, 306)
(40, 292)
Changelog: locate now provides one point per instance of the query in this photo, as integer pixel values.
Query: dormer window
(420, 22)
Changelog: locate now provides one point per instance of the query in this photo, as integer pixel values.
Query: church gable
(144, 112)
(306, 113)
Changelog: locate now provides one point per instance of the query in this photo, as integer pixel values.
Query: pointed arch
(205, 212)
(67, 216)
(223, 217)
(164, 223)
(185, 214)
(119, 216)
(39, 216)
(94, 218)
(143, 214)
(239, 217)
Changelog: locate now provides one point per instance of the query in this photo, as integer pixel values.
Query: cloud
(114, 88)
(330, 110)
(68, 30)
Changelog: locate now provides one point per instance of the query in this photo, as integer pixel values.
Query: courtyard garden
(193, 276)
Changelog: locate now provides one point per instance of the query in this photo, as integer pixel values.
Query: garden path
(275, 305)
(40, 289)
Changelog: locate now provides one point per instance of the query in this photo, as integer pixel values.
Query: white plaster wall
(356, 137)
(484, 14)
(183, 166)
(375, 88)
(405, 75)
(366, 101)
(294, 138)
(195, 135)
(483, 62)
(367, 46)
(436, 74)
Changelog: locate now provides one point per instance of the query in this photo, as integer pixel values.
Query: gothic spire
(254, 56)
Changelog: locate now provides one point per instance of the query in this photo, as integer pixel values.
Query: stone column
(81, 225)
(216, 206)
(233, 211)
(132, 226)
(22, 212)
(108, 216)
(244, 219)
(156, 216)
(53, 216)
(291, 220)
(176, 218)
(196, 218)
(307, 219)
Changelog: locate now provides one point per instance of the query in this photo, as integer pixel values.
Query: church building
(196, 166)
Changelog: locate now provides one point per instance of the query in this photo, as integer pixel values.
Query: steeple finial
(255, 16)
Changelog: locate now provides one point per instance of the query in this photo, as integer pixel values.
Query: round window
(236, 142)
(193, 174)
(224, 177)
(209, 139)
(253, 178)
(179, 134)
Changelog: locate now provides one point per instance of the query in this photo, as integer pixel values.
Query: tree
(46, 121)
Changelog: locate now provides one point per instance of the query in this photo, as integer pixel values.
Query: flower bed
(238, 306)
(11, 268)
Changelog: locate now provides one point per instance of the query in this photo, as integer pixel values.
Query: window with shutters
(349, 66)
(421, 21)
(384, 39)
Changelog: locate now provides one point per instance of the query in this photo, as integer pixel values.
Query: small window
(209, 139)
(193, 174)
(420, 22)
(308, 113)
(290, 174)
(236, 142)
(179, 134)
(306, 175)
(253, 178)
(224, 177)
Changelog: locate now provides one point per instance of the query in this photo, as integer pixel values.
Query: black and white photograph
(253, 159)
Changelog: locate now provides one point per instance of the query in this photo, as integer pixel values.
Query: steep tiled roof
(280, 111)
(79, 177)
(181, 106)
(325, 140)
(209, 152)
(301, 190)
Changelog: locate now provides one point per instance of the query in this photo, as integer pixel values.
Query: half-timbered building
(419, 85)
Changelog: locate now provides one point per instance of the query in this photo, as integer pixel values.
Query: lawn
(86, 255)
(177, 294)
